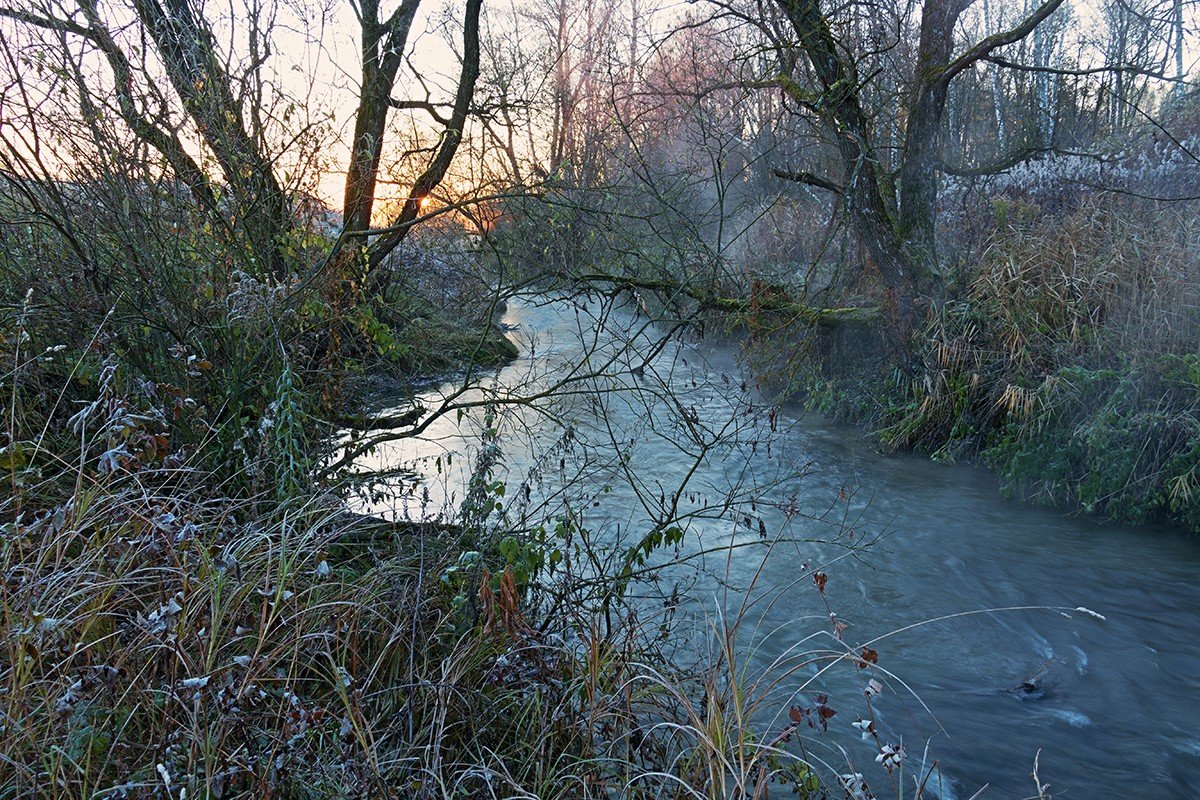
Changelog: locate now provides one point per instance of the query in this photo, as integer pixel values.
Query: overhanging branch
(998, 40)
(1009, 161)
(1129, 69)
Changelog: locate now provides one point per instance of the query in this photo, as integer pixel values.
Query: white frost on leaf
(891, 756)
(866, 727)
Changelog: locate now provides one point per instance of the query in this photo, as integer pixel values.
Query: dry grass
(1071, 355)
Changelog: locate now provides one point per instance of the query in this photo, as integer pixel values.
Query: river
(1115, 710)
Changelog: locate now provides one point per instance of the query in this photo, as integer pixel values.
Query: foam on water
(1081, 664)
(1043, 647)
(1075, 719)
(1192, 748)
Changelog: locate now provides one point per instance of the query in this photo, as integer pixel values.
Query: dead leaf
(868, 656)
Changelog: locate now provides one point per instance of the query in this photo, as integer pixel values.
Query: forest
(599, 399)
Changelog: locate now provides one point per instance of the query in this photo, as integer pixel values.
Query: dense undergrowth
(1067, 360)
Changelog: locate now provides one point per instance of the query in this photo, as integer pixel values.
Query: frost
(157, 621)
(866, 727)
(66, 703)
(891, 756)
(856, 788)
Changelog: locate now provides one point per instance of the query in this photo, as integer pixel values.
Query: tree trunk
(873, 222)
(432, 177)
(363, 170)
(382, 49)
(186, 47)
(918, 179)
(898, 231)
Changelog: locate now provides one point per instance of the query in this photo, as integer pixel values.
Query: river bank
(1120, 442)
(1065, 361)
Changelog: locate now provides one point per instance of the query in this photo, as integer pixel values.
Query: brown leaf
(867, 656)
(819, 579)
(487, 602)
(510, 604)
(796, 715)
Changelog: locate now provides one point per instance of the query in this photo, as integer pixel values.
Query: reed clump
(1067, 359)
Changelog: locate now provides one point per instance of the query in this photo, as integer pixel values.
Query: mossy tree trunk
(893, 211)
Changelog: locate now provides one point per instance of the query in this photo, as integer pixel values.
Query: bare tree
(893, 214)
(383, 48)
(228, 121)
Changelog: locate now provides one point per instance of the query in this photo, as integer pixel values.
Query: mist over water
(1114, 714)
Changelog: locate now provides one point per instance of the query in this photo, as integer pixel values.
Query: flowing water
(1115, 709)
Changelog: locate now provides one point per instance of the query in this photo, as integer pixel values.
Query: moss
(494, 349)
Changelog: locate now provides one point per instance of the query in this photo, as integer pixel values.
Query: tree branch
(1131, 69)
(1009, 161)
(997, 40)
(419, 105)
(810, 179)
(48, 23)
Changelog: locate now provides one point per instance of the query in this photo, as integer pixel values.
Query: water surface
(1118, 714)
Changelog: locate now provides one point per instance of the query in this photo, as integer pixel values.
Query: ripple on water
(1075, 719)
